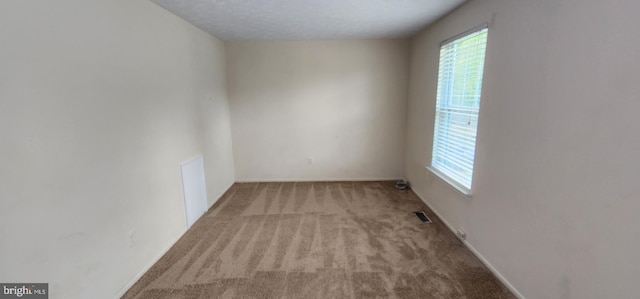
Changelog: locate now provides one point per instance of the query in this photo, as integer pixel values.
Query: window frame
(457, 185)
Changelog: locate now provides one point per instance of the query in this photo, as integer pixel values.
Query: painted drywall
(554, 207)
(318, 110)
(100, 102)
(209, 80)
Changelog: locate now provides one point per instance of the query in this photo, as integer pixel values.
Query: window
(457, 107)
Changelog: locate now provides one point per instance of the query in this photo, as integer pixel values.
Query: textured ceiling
(310, 19)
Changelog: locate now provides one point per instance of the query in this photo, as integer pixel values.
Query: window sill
(455, 185)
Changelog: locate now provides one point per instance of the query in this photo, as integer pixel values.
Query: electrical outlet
(310, 160)
(461, 234)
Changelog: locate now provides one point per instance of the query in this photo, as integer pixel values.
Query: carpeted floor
(318, 240)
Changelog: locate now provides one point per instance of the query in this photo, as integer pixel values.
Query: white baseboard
(474, 251)
(163, 252)
(316, 180)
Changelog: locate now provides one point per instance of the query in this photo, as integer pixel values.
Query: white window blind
(457, 106)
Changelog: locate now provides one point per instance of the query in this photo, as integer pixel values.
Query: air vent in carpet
(423, 217)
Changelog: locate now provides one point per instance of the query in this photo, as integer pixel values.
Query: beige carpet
(318, 240)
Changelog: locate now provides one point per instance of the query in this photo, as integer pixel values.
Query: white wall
(100, 102)
(343, 103)
(555, 206)
(210, 82)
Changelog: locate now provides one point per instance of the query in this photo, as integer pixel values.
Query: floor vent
(423, 217)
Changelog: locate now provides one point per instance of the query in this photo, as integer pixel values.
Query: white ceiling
(310, 19)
